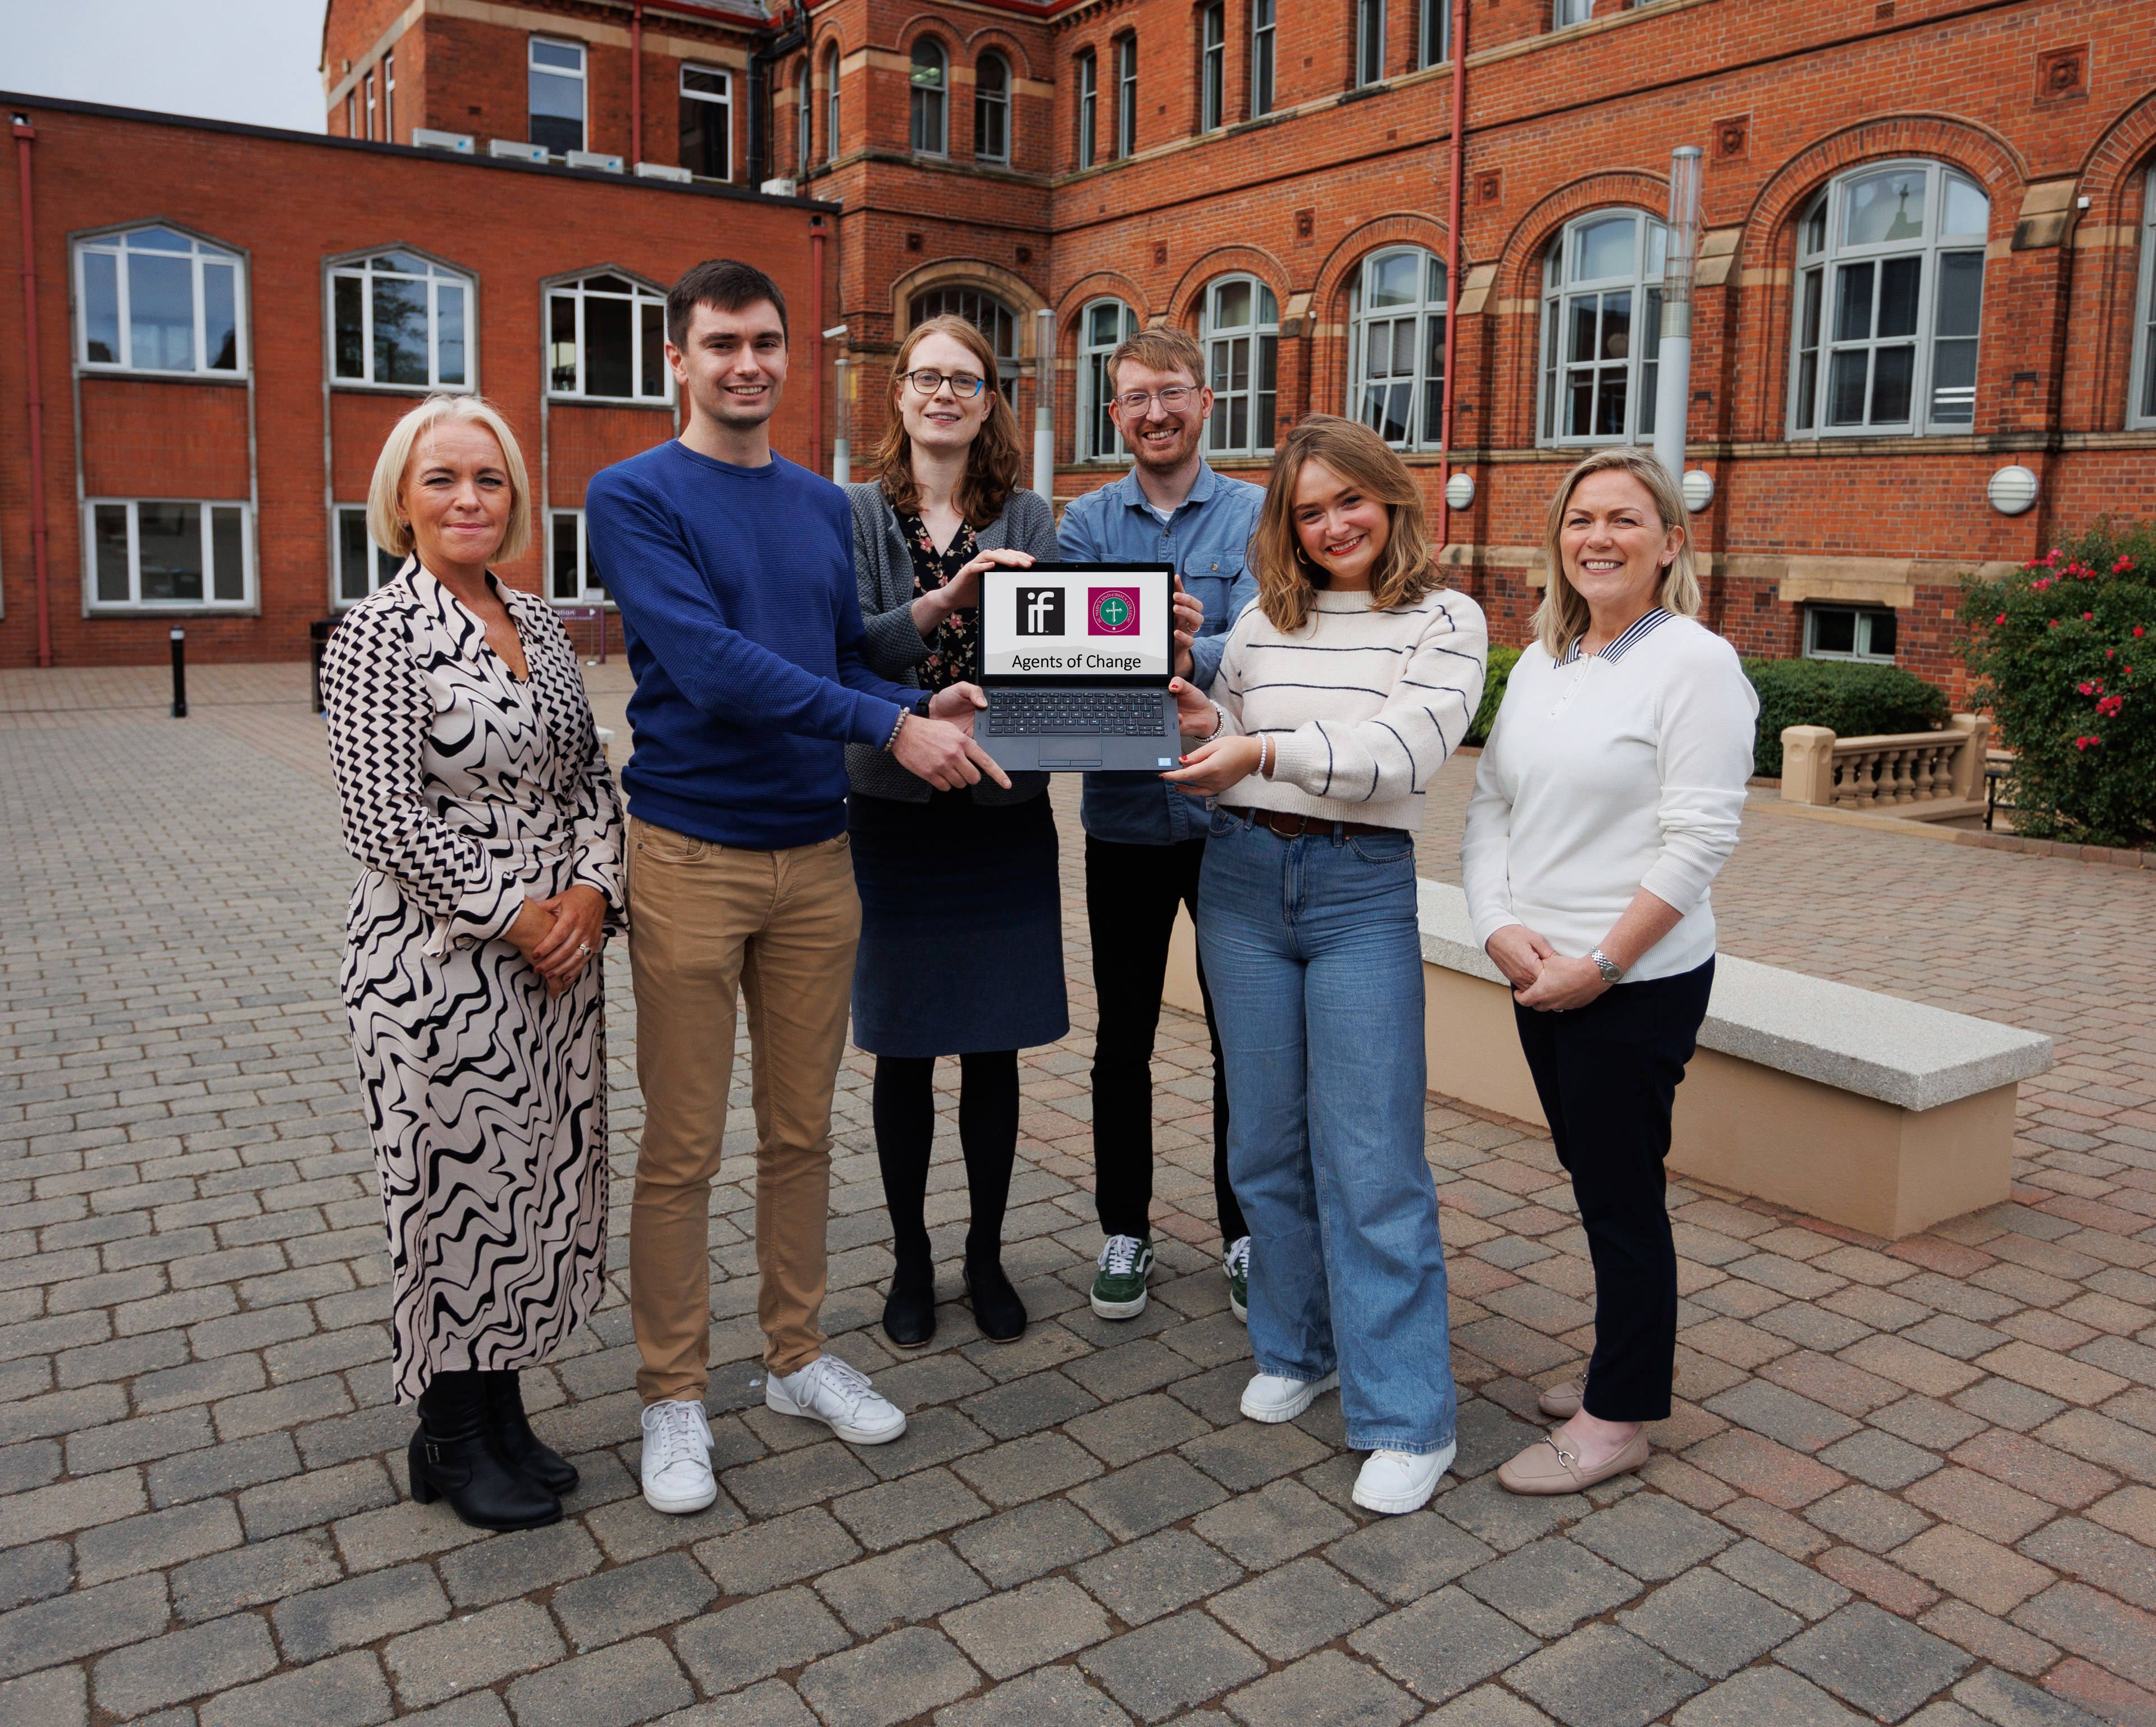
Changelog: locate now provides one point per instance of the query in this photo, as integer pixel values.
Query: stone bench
(1881, 1114)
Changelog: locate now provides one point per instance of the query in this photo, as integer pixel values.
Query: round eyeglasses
(1172, 400)
(926, 381)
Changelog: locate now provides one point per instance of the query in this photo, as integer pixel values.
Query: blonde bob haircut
(1287, 579)
(1562, 617)
(390, 466)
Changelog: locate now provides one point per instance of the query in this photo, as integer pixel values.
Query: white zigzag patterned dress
(465, 792)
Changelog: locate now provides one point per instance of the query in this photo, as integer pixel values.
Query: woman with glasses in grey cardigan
(961, 921)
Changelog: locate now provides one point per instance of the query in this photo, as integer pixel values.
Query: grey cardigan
(883, 568)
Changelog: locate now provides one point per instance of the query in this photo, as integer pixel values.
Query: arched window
(1396, 346)
(2141, 411)
(1102, 325)
(606, 338)
(1602, 328)
(831, 104)
(992, 81)
(159, 300)
(986, 314)
(804, 119)
(398, 318)
(931, 116)
(1089, 105)
(1212, 66)
(1127, 96)
(1241, 330)
(1889, 292)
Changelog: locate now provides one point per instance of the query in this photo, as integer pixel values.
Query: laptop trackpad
(1056, 761)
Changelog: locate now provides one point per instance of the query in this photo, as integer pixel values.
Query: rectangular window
(159, 300)
(1089, 100)
(572, 579)
(362, 566)
(557, 95)
(172, 554)
(389, 97)
(1263, 34)
(399, 319)
(707, 126)
(1212, 67)
(1848, 632)
(606, 338)
(1369, 42)
(1435, 46)
(1573, 12)
(1126, 96)
(371, 116)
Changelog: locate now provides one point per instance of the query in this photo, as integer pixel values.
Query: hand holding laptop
(963, 592)
(1211, 768)
(941, 749)
(1189, 619)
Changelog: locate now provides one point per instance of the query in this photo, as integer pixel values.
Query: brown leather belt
(1293, 827)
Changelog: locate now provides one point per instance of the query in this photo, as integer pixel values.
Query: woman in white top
(1606, 799)
(1340, 694)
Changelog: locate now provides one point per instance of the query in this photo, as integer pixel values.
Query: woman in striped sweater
(1339, 696)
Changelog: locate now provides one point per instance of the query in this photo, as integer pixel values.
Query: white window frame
(367, 85)
(1127, 94)
(831, 104)
(953, 298)
(804, 118)
(1264, 55)
(93, 603)
(582, 75)
(1260, 356)
(203, 255)
(1560, 287)
(588, 592)
(991, 104)
(1862, 653)
(1565, 13)
(1822, 258)
(1093, 385)
(1212, 65)
(382, 564)
(927, 101)
(1435, 45)
(722, 99)
(1369, 43)
(1426, 313)
(360, 268)
(2141, 386)
(641, 295)
(389, 96)
(1089, 106)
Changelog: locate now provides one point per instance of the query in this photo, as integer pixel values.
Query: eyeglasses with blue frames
(1172, 400)
(926, 381)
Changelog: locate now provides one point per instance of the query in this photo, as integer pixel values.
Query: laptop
(1075, 661)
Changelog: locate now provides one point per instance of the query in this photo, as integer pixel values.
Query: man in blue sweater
(734, 572)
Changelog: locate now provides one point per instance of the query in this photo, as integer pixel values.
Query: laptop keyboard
(1055, 713)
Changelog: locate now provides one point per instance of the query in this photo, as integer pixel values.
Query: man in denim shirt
(1144, 843)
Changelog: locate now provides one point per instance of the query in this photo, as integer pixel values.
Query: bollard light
(1459, 491)
(1698, 489)
(179, 672)
(2012, 490)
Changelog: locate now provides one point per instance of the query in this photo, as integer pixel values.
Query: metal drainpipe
(1459, 153)
(794, 35)
(34, 384)
(635, 84)
(816, 347)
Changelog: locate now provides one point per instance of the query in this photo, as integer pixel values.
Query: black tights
(905, 1131)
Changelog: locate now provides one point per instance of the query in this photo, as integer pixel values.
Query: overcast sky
(252, 60)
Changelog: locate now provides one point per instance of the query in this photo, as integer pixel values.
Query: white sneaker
(1397, 1481)
(827, 1390)
(1272, 1397)
(1237, 1265)
(677, 1458)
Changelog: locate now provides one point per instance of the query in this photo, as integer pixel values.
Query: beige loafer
(1561, 1402)
(1549, 1466)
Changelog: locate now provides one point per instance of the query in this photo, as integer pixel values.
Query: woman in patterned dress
(477, 797)
(962, 922)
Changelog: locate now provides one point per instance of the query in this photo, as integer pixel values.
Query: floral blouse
(954, 651)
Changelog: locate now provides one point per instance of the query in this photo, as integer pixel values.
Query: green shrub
(1501, 662)
(2056, 649)
(1850, 700)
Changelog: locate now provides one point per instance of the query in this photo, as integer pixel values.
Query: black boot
(453, 1456)
(909, 1311)
(996, 1310)
(515, 1440)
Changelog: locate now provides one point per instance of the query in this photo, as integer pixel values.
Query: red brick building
(1927, 252)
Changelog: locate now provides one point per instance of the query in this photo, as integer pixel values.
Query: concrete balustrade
(1921, 775)
(1877, 1114)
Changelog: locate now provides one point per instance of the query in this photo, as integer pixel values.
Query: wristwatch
(1612, 972)
(920, 707)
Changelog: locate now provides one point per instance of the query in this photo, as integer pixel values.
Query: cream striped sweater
(1362, 706)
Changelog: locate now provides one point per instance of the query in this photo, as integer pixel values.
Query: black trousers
(1607, 1074)
(1131, 892)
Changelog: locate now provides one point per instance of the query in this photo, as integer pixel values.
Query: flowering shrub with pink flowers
(2064, 653)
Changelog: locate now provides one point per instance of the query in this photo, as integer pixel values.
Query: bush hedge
(1501, 662)
(1852, 700)
(2055, 648)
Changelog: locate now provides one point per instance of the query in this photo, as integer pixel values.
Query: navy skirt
(962, 925)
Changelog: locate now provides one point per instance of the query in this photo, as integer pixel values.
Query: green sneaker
(1237, 1265)
(1119, 1286)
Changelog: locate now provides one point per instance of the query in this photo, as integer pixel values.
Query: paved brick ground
(1905, 1482)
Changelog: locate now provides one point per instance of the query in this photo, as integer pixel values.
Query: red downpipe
(24, 132)
(635, 84)
(1452, 257)
(817, 453)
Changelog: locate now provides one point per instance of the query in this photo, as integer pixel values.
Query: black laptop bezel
(1084, 681)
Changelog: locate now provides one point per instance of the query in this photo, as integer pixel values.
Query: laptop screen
(1101, 622)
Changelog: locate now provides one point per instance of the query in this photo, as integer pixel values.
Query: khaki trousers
(706, 920)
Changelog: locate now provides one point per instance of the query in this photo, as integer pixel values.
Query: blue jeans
(1316, 964)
